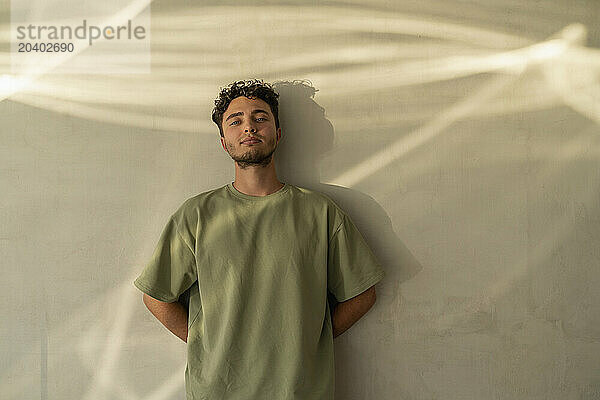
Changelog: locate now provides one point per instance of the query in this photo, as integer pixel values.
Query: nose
(249, 126)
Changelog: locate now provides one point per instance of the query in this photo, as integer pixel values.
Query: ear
(223, 143)
(278, 132)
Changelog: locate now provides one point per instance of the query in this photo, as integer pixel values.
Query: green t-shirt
(257, 271)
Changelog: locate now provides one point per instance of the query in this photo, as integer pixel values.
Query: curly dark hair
(253, 88)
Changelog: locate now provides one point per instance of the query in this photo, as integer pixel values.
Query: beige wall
(462, 137)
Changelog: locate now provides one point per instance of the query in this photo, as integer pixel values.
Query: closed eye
(260, 119)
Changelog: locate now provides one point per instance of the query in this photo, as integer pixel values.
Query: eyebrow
(257, 111)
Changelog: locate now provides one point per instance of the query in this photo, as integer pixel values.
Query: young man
(258, 258)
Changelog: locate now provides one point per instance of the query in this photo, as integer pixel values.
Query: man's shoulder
(309, 194)
(204, 196)
(191, 207)
(317, 197)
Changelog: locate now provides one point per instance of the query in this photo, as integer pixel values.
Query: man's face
(249, 118)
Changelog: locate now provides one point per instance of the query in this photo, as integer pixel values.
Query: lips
(251, 140)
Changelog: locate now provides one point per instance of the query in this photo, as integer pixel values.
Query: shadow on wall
(306, 136)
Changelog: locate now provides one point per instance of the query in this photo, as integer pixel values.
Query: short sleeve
(352, 267)
(172, 268)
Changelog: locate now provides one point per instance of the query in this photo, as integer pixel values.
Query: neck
(257, 180)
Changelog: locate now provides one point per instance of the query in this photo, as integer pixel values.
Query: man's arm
(172, 315)
(348, 312)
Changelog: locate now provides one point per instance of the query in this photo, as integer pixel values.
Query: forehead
(243, 103)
